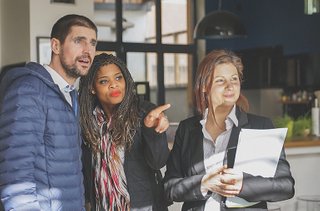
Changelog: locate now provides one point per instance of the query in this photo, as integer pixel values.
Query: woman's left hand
(232, 180)
(157, 119)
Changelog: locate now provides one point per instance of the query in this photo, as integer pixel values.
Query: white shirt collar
(230, 121)
(57, 79)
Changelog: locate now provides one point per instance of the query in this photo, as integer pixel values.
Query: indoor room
(162, 43)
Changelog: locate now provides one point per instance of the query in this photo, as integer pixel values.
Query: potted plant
(285, 121)
(302, 126)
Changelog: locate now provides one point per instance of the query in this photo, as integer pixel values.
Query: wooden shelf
(302, 142)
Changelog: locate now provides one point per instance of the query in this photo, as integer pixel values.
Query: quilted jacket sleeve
(22, 125)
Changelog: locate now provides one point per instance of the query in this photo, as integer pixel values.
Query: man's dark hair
(62, 27)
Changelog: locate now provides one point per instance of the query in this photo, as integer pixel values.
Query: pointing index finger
(161, 108)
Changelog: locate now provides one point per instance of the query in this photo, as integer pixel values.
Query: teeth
(84, 60)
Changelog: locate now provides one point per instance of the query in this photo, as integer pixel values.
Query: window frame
(122, 48)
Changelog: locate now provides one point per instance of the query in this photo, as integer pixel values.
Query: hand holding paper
(219, 179)
(258, 153)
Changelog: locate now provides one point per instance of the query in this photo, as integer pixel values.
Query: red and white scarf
(110, 179)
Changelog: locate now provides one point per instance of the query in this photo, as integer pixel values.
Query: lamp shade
(219, 25)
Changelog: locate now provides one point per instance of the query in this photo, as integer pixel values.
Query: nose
(86, 47)
(113, 84)
(228, 85)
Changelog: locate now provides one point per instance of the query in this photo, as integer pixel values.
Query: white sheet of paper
(258, 152)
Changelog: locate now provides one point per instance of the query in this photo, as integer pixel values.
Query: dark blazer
(185, 168)
(142, 165)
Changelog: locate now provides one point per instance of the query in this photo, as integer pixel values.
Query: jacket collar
(30, 69)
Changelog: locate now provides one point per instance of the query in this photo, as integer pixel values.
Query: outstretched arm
(156, 150)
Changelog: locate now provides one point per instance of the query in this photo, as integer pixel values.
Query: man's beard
(70, 70)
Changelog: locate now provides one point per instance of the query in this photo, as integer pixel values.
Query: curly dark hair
(125, 118)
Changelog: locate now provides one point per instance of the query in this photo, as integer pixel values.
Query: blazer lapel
(196, 138)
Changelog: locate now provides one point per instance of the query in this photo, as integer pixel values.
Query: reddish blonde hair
(204, 77)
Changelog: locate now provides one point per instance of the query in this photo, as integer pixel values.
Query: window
(154, 38)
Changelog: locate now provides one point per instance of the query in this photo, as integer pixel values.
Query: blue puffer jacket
(40, 144)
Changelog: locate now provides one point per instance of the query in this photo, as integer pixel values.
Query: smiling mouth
(229, 96)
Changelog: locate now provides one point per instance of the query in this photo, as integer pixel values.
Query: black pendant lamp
(219, 25)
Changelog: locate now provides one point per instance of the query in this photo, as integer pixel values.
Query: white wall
(14, 31)
(43, 14)
(23, 20)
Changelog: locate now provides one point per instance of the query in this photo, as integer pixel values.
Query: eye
(77, 40)
(119, 77)
(235, 79)
(94, 43)
(103, 81)
(219, 80)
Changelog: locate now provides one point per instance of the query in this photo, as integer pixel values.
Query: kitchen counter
(303, 155)
(308, 141)
(303, 145)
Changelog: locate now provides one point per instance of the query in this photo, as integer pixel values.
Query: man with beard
(40, 144)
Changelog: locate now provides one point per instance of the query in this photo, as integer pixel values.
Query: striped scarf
(110, 180)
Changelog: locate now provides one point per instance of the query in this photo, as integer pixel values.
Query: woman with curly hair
(125, 140)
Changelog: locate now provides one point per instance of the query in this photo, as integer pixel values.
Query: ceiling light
(219, 24)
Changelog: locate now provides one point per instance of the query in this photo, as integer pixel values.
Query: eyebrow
(105, 76)
(84, 38)
(236, 74)
(79, 38)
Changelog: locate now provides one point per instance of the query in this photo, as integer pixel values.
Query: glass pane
(137, 66)
(177, 85)
(143, 68)
(104, 17)
(175, 69)
(174, 21)
(139, 21)
(151, 64)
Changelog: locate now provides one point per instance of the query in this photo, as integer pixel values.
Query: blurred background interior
(279, 46)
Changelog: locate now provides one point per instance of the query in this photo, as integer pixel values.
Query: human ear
(55, 45)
